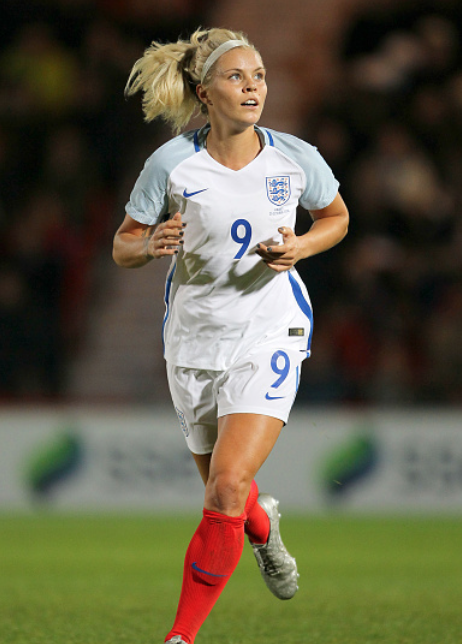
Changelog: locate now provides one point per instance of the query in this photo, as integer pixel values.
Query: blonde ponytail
(168, 75)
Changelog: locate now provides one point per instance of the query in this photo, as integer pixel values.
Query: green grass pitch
(115, 580)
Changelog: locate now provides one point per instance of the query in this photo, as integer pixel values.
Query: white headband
(219, 51)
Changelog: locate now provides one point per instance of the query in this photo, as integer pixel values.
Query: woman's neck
(236, 150)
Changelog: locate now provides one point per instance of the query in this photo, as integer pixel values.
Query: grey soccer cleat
(176, 639)
(278, 568)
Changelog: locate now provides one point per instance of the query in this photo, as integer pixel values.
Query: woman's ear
(202, 95)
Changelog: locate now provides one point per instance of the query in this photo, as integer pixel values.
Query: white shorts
(265, 381)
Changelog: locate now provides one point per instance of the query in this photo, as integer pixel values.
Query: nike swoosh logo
(268, 397)
(191, 194)
(212, 574)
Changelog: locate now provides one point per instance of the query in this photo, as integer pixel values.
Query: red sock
(211, 558)
(257, 524)
(251, 499)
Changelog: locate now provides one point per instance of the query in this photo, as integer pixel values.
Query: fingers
(277, 261)
(278, 268)
(283, 252)
(289, 242)
(286, 232)
(280, 257)
(167, 238)
(174, 224)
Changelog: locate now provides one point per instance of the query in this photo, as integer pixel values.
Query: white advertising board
(133, 459)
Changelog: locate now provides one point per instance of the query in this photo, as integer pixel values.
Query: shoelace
(269, 564)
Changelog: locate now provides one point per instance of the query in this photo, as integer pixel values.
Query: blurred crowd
(388, 301)
(66, 135)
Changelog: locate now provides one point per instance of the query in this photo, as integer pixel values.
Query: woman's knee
(227, 492)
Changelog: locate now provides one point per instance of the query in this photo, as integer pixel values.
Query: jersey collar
(200, 137)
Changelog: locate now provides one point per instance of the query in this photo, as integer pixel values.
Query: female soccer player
(221, 203)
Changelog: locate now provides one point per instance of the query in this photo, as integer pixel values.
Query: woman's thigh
(244, 443)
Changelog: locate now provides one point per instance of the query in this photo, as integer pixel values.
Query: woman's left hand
(330, 225)
(281, 257)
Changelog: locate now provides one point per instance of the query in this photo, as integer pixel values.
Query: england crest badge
(278, 190)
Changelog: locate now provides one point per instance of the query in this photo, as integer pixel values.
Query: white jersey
(221, 298)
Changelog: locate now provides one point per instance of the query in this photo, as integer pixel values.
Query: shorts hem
(202, 451)
(263, 411)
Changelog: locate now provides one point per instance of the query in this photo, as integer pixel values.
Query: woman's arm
(136, 244)
(330, 225)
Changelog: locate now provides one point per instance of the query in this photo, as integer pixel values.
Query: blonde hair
(168, 75)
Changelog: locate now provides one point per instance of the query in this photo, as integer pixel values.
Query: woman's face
(237, 91)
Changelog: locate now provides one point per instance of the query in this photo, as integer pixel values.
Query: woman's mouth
(250, 102)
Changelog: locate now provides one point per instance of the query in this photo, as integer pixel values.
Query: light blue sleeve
(321, 186)
(149, 198)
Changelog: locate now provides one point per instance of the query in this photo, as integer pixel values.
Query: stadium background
(379, 91)
(369, 469)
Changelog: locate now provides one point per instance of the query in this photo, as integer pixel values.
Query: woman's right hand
(137, 244)
(165, 239)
